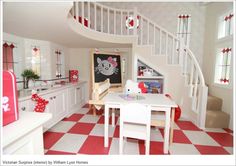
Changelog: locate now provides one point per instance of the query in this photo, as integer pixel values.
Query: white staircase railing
(112, 21)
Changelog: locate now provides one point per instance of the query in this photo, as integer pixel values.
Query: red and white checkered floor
(82, 133)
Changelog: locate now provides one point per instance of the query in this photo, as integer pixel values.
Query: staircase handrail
(202, 80)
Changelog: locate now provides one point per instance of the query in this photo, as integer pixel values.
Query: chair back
(135, 113)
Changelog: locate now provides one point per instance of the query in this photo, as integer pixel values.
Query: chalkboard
(107, 66)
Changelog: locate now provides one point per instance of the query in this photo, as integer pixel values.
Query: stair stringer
(174, 80)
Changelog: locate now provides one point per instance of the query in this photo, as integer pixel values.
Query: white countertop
(26, 93)
(27, 122)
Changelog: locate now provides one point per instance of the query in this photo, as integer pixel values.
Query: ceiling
(46, 21)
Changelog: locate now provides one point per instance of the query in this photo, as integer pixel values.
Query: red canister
(73, 75)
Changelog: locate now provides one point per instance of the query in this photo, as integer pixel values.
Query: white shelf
(150, 77)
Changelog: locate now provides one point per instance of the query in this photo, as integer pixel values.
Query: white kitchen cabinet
(24, 105)
(78, 96)
(63, 102)
(57, 106)
(74, 98)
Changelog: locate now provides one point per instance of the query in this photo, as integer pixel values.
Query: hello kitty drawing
(107, 67)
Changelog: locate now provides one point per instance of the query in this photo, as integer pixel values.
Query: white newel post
(202, 107)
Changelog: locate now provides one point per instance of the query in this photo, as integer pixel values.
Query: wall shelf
(153, 80)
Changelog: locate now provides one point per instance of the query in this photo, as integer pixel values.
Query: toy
(41, 103)
(141, 86)
(132, 87)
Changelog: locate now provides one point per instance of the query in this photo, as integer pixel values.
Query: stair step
(214, 103)
(217, 119)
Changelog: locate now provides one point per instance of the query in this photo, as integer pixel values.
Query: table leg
(113, 117)
(172, 125)
(167, 132)
(106, 125)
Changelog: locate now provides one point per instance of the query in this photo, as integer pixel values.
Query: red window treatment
(8, 57)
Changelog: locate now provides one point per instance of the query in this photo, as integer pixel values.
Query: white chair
(158, 119)
(135, 122)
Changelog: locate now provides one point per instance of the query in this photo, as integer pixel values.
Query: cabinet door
(27, 105)
(60, 101)
(71, 98)
(49, 109)
(24, 105)
(78, 97)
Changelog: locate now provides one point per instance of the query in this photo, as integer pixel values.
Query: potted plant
(28, 74)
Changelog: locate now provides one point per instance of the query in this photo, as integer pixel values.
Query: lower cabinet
(57, 107)
(62, 103)
(74, 99)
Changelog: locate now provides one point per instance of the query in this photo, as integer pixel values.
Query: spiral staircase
(151, 44)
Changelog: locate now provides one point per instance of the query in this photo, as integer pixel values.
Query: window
(8, 62)
(184, 28)
(58, 63)
(35, 61)
(223, 65)
(224, 49)
(225, 25)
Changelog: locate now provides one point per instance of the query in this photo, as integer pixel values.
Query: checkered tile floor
(82, 133)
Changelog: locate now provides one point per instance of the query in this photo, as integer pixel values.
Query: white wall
(22, 55)
(165, 14)
(80, 59)
(226, 94)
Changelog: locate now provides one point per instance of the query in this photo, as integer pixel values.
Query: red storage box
(9, 98)
(73, 75)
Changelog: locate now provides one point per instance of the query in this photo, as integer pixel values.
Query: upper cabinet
(47, 59)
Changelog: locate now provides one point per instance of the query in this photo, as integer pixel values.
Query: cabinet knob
(54, 97)
(23, 108)
(78, 88)
(51, 98)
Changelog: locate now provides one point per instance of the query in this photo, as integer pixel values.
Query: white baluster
(189, 30)
(141, 30)
(160, 42)
(73, 10)
(114, 21)
(191, 78)
(128, 23)
(95, 16)
(77, 11)
(167, 38)
(185, 61)
(108, 20)
(82, 15)
(101, 19)
(195, 91)
(121, 23)
(154, 39)
(88, 14)
(173, 51)
(148, 33)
